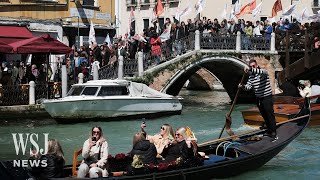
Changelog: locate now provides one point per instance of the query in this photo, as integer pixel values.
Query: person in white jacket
(306, 91)
(95, 154)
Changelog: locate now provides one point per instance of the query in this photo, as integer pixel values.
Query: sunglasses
(177, 134)
(162, 128)
(95, 132)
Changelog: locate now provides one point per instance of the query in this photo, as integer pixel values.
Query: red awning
(11, 34)
(15, 32)
(4, 47)
(40, 44)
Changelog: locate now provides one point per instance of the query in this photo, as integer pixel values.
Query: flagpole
(291, 13)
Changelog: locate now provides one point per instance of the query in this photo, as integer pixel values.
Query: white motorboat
(108, 99)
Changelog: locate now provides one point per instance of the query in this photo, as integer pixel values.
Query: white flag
(186, 10)
(257, 10)
(138, 37)
(200, 5)
(224, 12)
(166, 34)
(289, 10)
(92, 35)
(107, 40)
(304, 15)
(177, 15)
(237, 7)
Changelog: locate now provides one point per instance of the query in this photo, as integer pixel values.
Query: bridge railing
(255, 42)
(195, 41)
(109, 71)
(170, 50)
(217, 41)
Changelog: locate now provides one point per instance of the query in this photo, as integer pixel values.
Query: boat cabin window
(75, 91)
(89, 91)
(113, 91)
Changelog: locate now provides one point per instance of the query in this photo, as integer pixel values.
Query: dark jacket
(54, 167)
(97, 54)
(147, 151)
(176, 150)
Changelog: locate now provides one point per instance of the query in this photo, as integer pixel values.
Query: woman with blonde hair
(54, 160)
(162, 139)
(95, 153)
(180, 148)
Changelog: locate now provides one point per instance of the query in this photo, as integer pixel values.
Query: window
(75, 91)
(89, 91)
(161, 22)
(113, 91)
(133, 26)
(234, 1)
(263, 18)
(88, 2)
(315, 3)
(145, 23)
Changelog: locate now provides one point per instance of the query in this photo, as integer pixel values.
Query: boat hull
(282, 112)
(111, 108)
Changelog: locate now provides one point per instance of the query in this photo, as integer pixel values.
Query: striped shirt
(259, 81)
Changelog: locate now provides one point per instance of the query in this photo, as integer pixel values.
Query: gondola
(285, 107)
(231, 155)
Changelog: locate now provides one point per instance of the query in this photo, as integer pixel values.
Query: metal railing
(255, 42)
(217, 41)
(130, 67)
(14, 95)
(109, 71)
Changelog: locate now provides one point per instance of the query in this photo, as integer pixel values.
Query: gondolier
(259, 81)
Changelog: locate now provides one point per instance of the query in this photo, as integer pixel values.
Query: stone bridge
(171, 76)
(207, 58)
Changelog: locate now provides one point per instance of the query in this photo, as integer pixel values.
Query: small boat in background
(108, 99)
(285, 107)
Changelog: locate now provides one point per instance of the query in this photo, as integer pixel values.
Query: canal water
(204, 112)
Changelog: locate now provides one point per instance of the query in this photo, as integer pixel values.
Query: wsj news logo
(20, 141)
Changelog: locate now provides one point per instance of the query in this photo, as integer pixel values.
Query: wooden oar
(248, 132)
(228, 117)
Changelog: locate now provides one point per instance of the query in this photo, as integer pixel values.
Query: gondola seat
(214, 159)
(76, 162)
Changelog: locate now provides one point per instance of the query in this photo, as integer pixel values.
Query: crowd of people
(165, 147)
(149, 42)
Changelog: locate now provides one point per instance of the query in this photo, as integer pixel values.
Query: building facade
(143, 11)
(67, 20)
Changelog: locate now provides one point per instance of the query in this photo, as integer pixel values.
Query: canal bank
(22, 112)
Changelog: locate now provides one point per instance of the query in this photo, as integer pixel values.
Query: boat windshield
(89, 91)
(75, 91)
(113, 91)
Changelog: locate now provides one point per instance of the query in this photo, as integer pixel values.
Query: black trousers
(265, 106)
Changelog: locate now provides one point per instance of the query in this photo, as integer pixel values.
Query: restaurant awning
(4, 47)
(10, 34)
(40, 44)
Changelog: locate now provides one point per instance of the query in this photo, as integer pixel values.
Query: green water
(204, 112)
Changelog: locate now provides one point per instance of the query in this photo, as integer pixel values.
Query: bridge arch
(228, 69)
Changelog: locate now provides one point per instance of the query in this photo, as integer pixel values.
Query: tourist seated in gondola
(182, 148)
(55, 162)
(95, 154)
(162, 139)
(144, 149)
